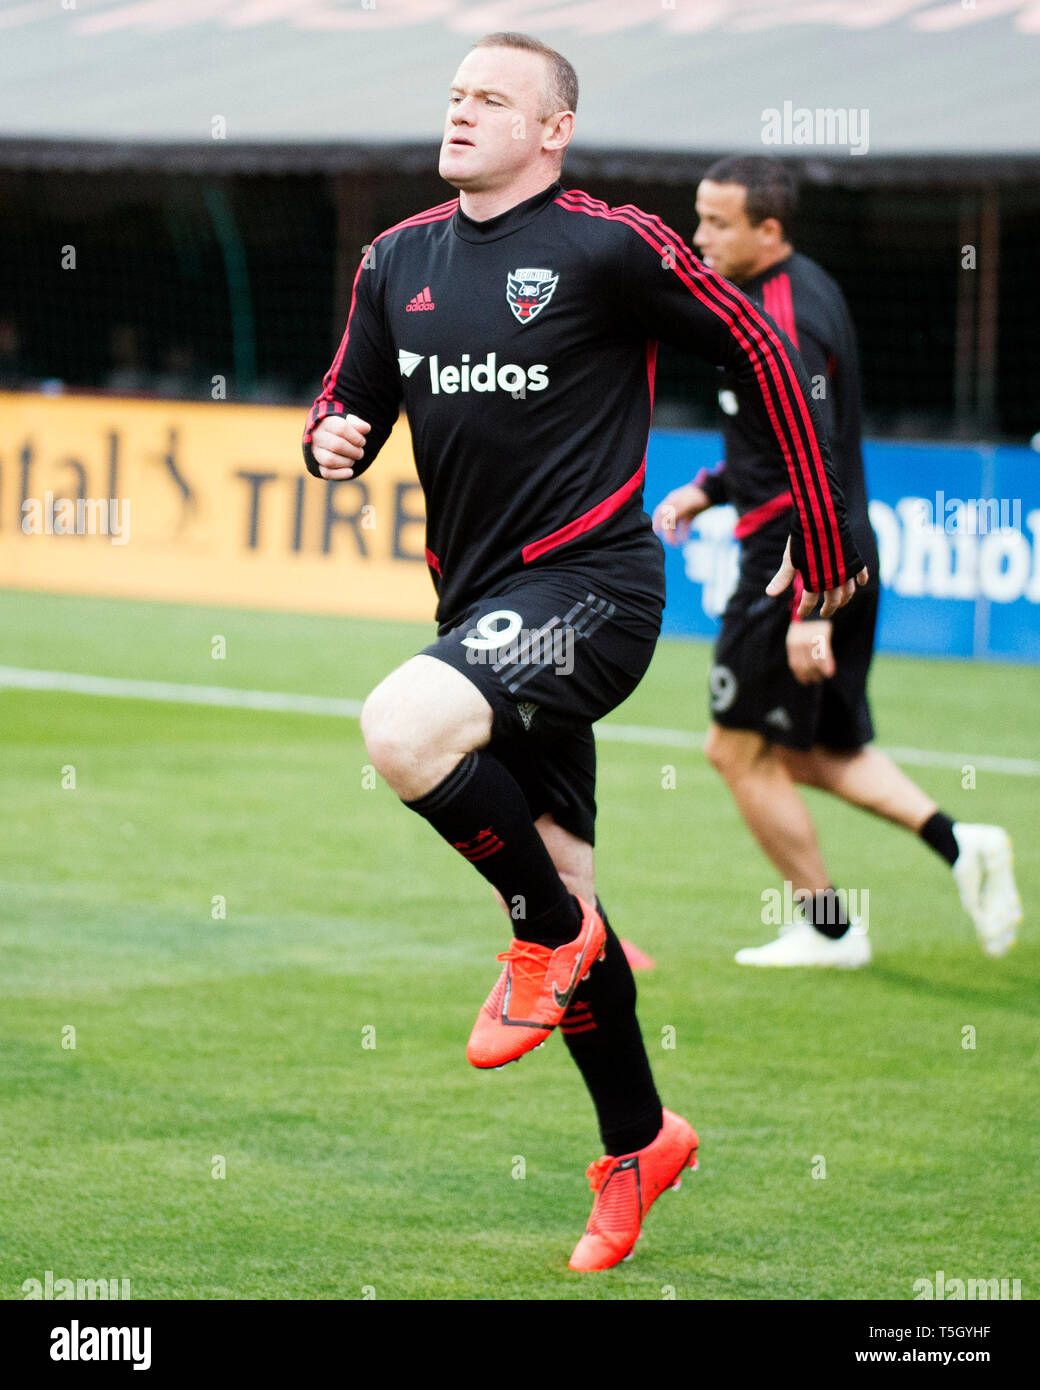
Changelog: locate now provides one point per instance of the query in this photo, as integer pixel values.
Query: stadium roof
(340, 83)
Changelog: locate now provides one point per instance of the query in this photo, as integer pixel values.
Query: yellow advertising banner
(204, 503)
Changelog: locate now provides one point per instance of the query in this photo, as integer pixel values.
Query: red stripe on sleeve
(325, 404)
(739, 314)
(746, 324)
(776, 294)
(786, 319)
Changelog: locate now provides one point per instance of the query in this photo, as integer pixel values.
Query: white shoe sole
(751, 956)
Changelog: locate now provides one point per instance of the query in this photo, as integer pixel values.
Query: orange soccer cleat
(626, 1188)
(533, 992)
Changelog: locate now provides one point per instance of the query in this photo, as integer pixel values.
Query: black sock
(828, 913)
(602, 1035)
(937, 832)
(481, 811)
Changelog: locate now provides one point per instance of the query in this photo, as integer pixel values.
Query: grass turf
(395, 1167)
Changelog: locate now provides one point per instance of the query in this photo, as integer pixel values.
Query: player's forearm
(363, 380)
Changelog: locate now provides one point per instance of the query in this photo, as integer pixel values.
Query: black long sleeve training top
(523, 348)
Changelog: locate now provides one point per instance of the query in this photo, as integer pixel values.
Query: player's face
(725, 239)
(493, 133)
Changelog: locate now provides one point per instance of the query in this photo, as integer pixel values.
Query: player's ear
(558, 136)
(771, 230)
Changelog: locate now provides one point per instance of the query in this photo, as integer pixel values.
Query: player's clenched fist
(338, 442)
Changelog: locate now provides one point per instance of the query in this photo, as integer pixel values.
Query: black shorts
(551, 657)
(751, 685)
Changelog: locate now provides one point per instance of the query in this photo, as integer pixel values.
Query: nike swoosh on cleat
(564, 998)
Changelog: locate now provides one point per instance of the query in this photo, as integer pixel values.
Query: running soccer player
(518, 323)
(788, 697)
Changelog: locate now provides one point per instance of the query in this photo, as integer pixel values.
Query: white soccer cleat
(986, 881)
(802, 944)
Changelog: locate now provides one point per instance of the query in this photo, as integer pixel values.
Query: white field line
(169, 692)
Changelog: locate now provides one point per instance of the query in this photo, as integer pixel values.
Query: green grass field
(391, 1168)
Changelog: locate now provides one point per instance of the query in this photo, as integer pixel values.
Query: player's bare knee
(721, 749)
(395, 743)
(375, 732)
(734, 753)
(420, 722)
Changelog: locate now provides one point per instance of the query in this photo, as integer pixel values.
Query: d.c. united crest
(529, 291)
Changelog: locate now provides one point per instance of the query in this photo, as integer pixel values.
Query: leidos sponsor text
(486, 376)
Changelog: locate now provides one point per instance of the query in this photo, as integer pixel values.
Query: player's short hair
(561, 87)
(772, 190)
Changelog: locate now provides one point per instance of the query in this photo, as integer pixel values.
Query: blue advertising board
(958, 531)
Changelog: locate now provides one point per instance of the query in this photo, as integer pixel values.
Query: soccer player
(518, 322)
(788, 695)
